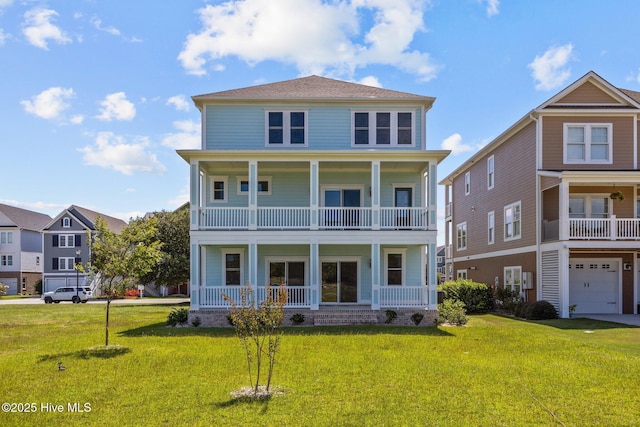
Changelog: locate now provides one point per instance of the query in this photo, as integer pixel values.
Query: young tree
(119, 260)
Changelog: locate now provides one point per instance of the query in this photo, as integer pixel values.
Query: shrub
(196, 322)
(178, 316)
(391, 316)
(3, 289)
(520, 309)
(508, 300)
(477, 297)
(297, 319)
(131, 293)
(416, 318)
(541, 310)
(453, 312)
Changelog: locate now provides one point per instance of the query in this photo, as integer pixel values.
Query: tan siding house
(561, 221)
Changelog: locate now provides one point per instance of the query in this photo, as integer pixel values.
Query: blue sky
(95, 95)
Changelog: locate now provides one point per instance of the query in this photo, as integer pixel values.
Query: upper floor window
(66, 222)
(461, 235)
(6, 237)
(6, 260)
(512, 222)
(491, 228)
(218, 189)
(588, 143)
(467, 183)
(383, 128)
(490, 172)
(588, 206)
(286, 128)
(66, 241)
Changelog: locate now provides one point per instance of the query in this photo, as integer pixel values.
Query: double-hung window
(232, 267)
(65, 263)
(66, 241)
(490, 172)
(588, 143)
(491, 228)
(394, 260)
(512, 221)
(461, 236)
(467, 183)
(6, 237)
(218, 189)
(513, 278)
(286, 128)
(6, 260)
(383, 128)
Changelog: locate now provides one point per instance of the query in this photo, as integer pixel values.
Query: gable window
(286, 128)
(66, 222)
(588, 143)
(232, 267)
(6, 260)
(491, 228)
(490, 172)
(264, 185)
(512, 222)
(461, 235)
(6, 237)
(513, 278)
(218, 189)
(394, 260)
(467, 183)
(383, 128)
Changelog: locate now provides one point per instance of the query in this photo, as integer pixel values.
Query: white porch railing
(403, 296)
(212, 296)
(604, 228)
(299, 218)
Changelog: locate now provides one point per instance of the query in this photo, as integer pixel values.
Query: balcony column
(195, 275)
(431, 204)
(253, 195)
(194, 196)
(375, 195)
(613, 228)
(314, 275)
(432, 276)
(314, 189)
(563, 205)
(375, 276)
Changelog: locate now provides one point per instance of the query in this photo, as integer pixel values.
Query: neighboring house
(21, 254)
(537, 210)
(323, 185)
(441, 260)
(65, 244)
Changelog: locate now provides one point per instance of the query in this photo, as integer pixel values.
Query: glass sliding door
(347, 202)
(292, 275)
(339, 282)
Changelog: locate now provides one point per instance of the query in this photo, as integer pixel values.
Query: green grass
(496, 371)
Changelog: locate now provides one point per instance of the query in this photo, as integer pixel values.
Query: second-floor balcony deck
(611, 228)
(320, 218)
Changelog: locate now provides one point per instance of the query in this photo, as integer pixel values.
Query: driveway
(167, 300)
(625, 319)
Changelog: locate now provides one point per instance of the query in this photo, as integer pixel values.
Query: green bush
(508, 300)
(477, 297)
(417, 318)
(297, 319)
(3, 289)
(541, 310)
(178, 316)
(453, 312)
(391, 316)
(520, 309)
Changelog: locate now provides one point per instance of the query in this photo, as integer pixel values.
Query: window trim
(587, 143)
(212, 181)
(287, 259)
(6, 260)
(66, 222)
(393, 127)
(467, 183)
(491, 173)
(6, 237)
(461, 226)
(67, 237)
(223, 264)
(66, 263)
(515, 236)
(286, 127)
(462, 274)
(241, 179)
(403, 269)
(588, 204)
(513, 268)
(491, 227)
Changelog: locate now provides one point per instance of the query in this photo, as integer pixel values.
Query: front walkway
(625, 319)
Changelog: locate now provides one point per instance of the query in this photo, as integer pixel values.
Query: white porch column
(432, 203)
(432, 276)
(375, 276)
(253, 195)
(563, 215)
(314, 275)
(194, 197)
(564, 281)
(314, 189)
(252, 263)
(195, 275)
(375, 195)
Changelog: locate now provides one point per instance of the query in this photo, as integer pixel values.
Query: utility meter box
(527, 280)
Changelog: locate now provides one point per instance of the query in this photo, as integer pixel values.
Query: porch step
(345, 317)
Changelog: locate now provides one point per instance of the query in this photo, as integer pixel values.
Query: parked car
(75, 295)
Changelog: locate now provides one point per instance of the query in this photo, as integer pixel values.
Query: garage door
(51, 284)
(594, 285)
(12, 284)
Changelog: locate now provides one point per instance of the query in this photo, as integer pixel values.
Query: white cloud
(550, 70)
(77, 119)
(38, 28)
(115, 106)
(111, 151)
(97, 23)
(50, 103)
(179, 102)
(331, 43)
(188, 136)
(5, 3)
(455, 144)
(3, 37)
(370, 81)
(492, 7)
(182, 198)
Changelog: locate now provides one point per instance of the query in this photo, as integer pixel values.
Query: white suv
(75, 295)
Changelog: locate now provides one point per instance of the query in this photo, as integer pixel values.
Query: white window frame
(467, 183)
(515, 236)
(588, 204)
(372, 127)
(461, 274)
(491, 228)
(588, 143)
(491, 175)
(286, 259)
(241, 179)
(212, 190)
(66, 238)
(516, 273)
(66, 222)
(286, 128)
(403, 269)
(461, 242)
(6, 260)
(6, 237)
(223, 265)
(67, 262)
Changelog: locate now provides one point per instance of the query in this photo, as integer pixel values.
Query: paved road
(37, 300)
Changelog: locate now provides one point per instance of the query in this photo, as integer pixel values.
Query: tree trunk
(106, 326)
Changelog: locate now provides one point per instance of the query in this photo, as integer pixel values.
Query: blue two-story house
(322, 185)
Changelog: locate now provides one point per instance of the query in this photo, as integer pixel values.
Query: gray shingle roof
(25, 219)
(116, 225)
(631, 94)
(312, 88)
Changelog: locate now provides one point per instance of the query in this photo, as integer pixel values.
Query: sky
(95, 96)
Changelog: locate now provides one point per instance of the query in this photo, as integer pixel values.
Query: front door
(403, 198)
(339, 282)
(347, 201)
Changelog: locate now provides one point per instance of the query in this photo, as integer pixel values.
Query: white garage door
(594, 285)
(51, 284)
(12, 284)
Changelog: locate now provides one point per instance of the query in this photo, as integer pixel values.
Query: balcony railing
(300, 218)
(604, 228)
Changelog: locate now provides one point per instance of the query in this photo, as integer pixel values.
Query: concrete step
(345, 317)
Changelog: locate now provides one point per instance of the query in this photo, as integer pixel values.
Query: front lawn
(496, 371)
